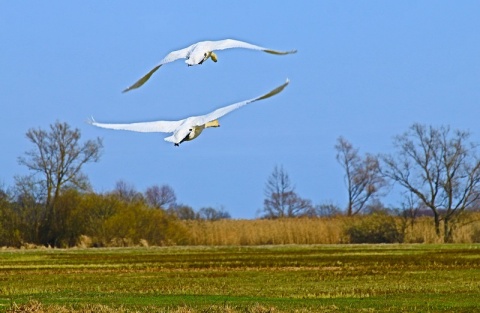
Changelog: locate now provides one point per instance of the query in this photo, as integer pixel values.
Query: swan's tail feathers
(172, 139)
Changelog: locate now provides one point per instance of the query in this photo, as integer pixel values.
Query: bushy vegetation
(89, 219)
(113, 220)
(375, 228)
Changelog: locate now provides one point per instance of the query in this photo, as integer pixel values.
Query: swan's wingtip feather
(91, 120)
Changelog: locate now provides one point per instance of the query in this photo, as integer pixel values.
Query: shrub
(375, 228)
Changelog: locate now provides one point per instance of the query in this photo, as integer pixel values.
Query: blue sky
(365, 70)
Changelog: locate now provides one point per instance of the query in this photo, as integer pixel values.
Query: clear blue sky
(365, 70)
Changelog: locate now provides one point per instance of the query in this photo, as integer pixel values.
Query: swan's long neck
(209, 54)
(195, 131)
(213, 123)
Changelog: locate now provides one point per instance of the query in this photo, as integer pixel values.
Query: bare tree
(362, 176)
(410, 208)
(160, 196)
(183, 212)
(57, 158)
(439, 167)
(30, 206)
(327, 210)
(127, 192)
(281, 199)
(10, 234)
(211, 214)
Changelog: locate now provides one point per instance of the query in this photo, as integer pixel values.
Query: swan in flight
(190, 127)
(200, 52)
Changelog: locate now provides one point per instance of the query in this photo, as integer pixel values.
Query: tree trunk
(436, 217)
(349, 208)
(447, 231)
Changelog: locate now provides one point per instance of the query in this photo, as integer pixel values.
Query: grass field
(315, 278)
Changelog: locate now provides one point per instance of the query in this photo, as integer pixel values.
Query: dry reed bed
(315, 231)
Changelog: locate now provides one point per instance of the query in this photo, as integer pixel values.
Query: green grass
(351, 278)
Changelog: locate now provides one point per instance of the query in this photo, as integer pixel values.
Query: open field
(308, 278)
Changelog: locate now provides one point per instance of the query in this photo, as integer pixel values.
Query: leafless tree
(327, 210)
(183, 212)
(281, 199)
(127, 192)
(211, 214)
(30, 206)
(410, 208)
(9, 224)
(439, 167)
(57, 158)
(160, 196)
(362, 176)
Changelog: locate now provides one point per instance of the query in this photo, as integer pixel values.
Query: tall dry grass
(467, 230)
(263, 232)
(315, 231)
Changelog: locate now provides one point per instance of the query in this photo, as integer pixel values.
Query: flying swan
(200, 52)
(190, 127)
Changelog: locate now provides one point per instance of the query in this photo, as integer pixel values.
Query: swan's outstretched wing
(200, 120)
(143, 127)
(172, 56)
(232, 43)
(182, 128)
(203, 45)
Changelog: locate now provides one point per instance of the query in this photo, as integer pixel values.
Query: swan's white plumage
(182, 128)
(143, 127)
(197, 53)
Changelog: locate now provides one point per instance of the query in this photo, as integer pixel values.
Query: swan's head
(213, 56)
(213, 123)
(209, 54)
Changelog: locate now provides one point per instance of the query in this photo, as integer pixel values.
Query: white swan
(200, 52)
(190, 127)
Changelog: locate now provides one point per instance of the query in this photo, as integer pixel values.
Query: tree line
(438, 170)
